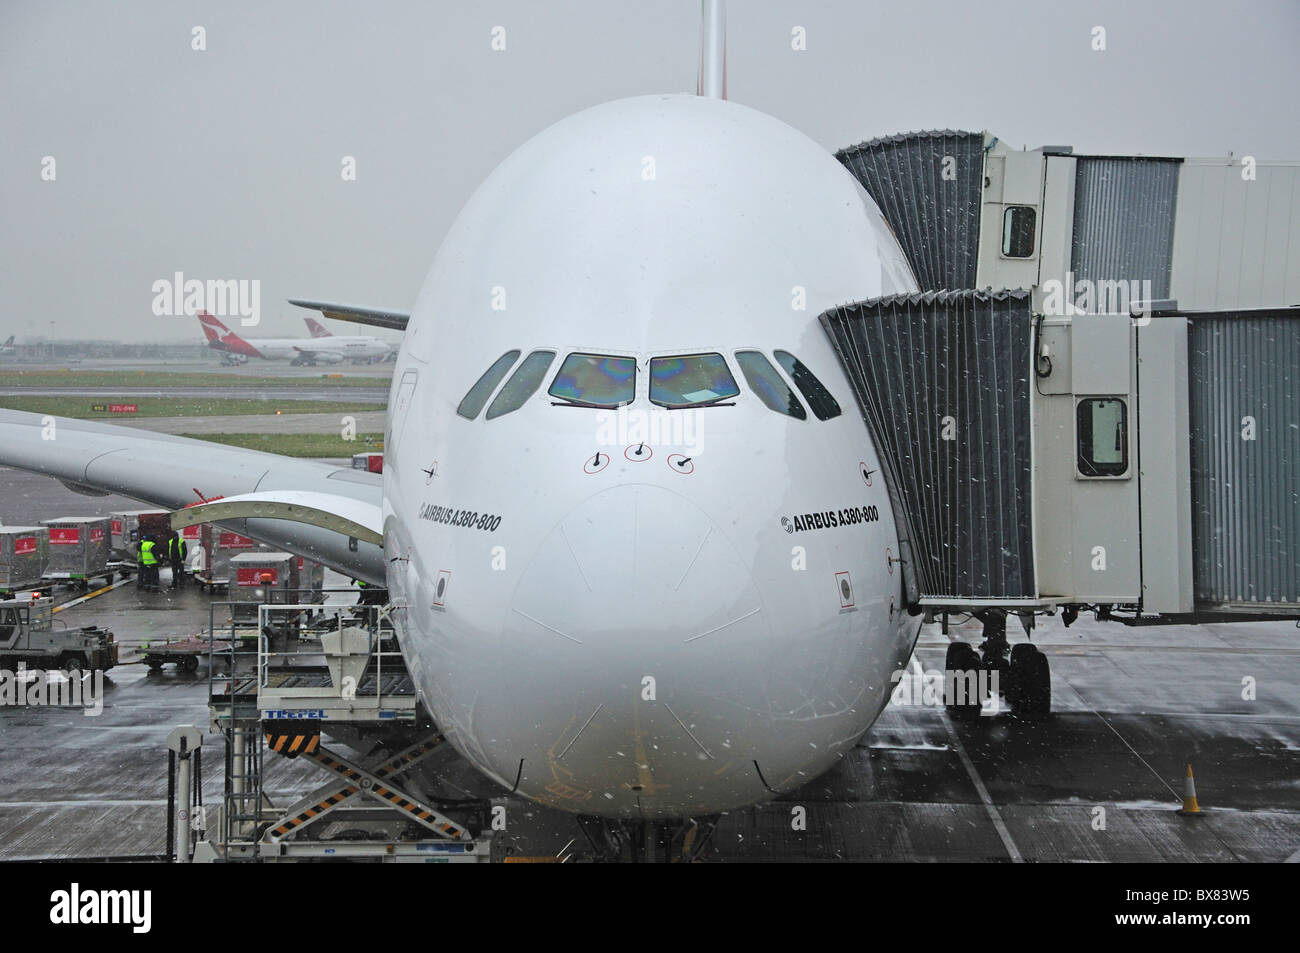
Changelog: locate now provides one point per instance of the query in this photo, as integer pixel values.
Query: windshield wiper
(716, 402)
(582, 403)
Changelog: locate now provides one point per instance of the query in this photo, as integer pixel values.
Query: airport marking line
(1177, 796)
(90, 595)
(994, 816)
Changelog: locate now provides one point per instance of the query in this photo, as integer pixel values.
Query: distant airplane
(317, 329)
(326, 349)
(8, 346)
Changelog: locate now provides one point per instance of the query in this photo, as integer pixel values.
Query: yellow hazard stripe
(313, 811)
(302, 744)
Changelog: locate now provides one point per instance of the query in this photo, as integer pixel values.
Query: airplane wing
(327, 513)
(394, 320)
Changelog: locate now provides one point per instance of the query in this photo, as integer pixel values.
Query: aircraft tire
(1031, 676)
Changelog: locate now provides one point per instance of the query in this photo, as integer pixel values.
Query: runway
(253, 368)
(360, 395)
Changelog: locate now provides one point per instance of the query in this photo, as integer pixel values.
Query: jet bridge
(1144, 466)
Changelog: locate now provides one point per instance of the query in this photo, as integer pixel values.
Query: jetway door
(942, 381)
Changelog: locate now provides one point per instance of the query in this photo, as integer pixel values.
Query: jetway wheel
(961, 657)
(1030, 691)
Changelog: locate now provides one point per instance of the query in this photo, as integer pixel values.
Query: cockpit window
(814, 391)
(770, 387)
(595, 380)
(482, 390)
(690, 380)
(523, 383)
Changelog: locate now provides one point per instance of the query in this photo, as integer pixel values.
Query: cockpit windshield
(690, 380)
(771, 389)
(595, 380)
(482, 390)
(523, 384)
(822, 402)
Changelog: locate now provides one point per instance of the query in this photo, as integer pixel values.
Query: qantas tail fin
(222, 338)
(317, 329)
(212, 329)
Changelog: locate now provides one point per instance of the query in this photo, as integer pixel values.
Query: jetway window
(523, 383)
(1018, 231)
(770, 387)
(690, 380)
(595, 380)
(482, 390)
(1102, 425)
(821, 401)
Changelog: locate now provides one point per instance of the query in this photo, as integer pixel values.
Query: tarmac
(1100, 779)
(359, 395)
(252, 368)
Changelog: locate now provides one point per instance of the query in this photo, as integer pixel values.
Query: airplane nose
(636, 644)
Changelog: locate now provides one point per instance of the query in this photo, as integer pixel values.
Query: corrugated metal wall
(1245, 493)
(950, 365)
(1124, 220)
(936, 219)
(1235, 238)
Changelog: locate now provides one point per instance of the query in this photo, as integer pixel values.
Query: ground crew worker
(141, 577)
(370, 595)
(149, 560)
(176, 553)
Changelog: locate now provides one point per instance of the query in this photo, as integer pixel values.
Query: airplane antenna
(713, 51)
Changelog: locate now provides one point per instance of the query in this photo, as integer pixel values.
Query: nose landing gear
(648, 842)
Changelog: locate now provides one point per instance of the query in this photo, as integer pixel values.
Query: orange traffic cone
(1190, 808)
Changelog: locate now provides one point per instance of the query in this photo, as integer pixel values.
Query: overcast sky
(226, 162)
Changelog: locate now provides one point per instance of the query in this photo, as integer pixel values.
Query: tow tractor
(27, 635)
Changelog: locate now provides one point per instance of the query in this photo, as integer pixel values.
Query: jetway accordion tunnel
(982, 476)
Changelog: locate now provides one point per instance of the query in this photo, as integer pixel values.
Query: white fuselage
(646, 640)
(330, 349)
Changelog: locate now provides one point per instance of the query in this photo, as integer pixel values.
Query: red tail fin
(221, 337)
(208, 321)
(317, 329)
(209, 324)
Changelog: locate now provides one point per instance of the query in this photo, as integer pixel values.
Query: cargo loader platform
(327, 685)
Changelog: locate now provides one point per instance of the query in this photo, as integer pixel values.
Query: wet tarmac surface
(358, 395)
(1099, 779)
(252, 368)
